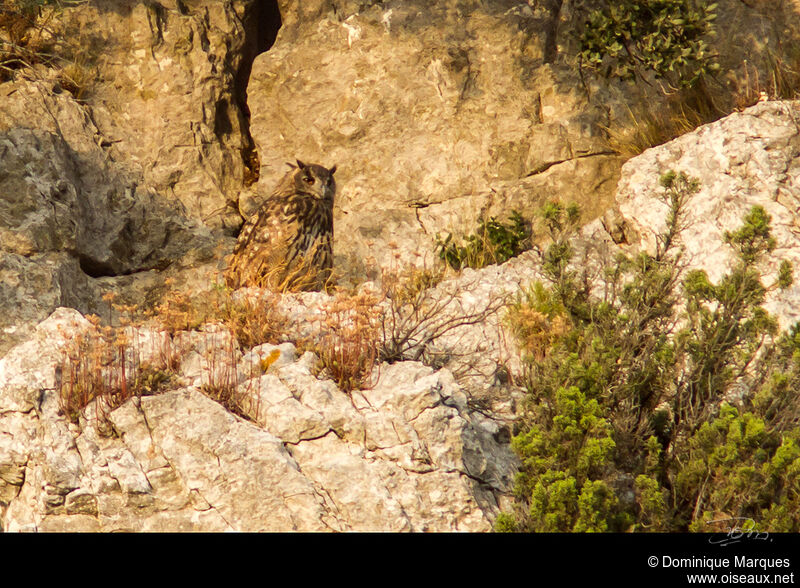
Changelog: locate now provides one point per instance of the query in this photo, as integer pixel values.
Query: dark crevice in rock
(222, 121)
(99, 269)
(261, 23)
(157, 19)
(419, 220)
(96, 269)
(304, 439)
(551, 32)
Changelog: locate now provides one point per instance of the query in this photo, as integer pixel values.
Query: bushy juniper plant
(632, 364)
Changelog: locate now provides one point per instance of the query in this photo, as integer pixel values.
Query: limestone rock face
(406, 455)
(32, 286)
(104, 186)
(434, 114)
(171, 98)
(438, 113)
(746, 159)
(68, 213)
(54, 203)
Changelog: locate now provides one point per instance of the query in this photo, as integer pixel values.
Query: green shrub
(740, 466)
(628, 424)
(492, 242)
(564, 463)
(505, 523)
(624, 38)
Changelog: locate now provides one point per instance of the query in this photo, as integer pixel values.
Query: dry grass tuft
(253, 321)
(647, 127)
(29, 36)
(535, 327)
(25, 38)
(782, 81)
(221, 378)
(78, 74)
(105, 366)
(350, 347)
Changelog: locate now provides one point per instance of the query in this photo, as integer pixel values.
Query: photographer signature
(738, 529)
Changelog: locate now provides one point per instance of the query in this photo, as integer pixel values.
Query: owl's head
(314, 180)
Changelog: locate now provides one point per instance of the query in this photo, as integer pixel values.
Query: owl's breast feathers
(311, 223)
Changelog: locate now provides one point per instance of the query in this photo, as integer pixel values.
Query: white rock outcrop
(748, 158)
(405, 455)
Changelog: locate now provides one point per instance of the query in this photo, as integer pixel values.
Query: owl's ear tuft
(291, 165)
(301, 165)
(333, 169)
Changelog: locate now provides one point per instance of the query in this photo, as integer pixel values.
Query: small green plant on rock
(492, 242)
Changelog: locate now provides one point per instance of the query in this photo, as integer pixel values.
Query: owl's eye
(308, 180)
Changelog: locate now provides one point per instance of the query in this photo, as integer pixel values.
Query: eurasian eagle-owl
(287, 245)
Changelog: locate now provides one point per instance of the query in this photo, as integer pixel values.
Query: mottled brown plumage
(288, 243)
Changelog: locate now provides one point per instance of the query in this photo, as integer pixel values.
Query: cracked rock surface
(405, 455)
(141, 173)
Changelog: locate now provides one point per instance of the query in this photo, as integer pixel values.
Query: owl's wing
(273, 249)
(260, 228)
(253, 251)
(247, 231)
(268, 236)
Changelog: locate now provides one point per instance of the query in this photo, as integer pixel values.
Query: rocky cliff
(405, 455)
(436, 114)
